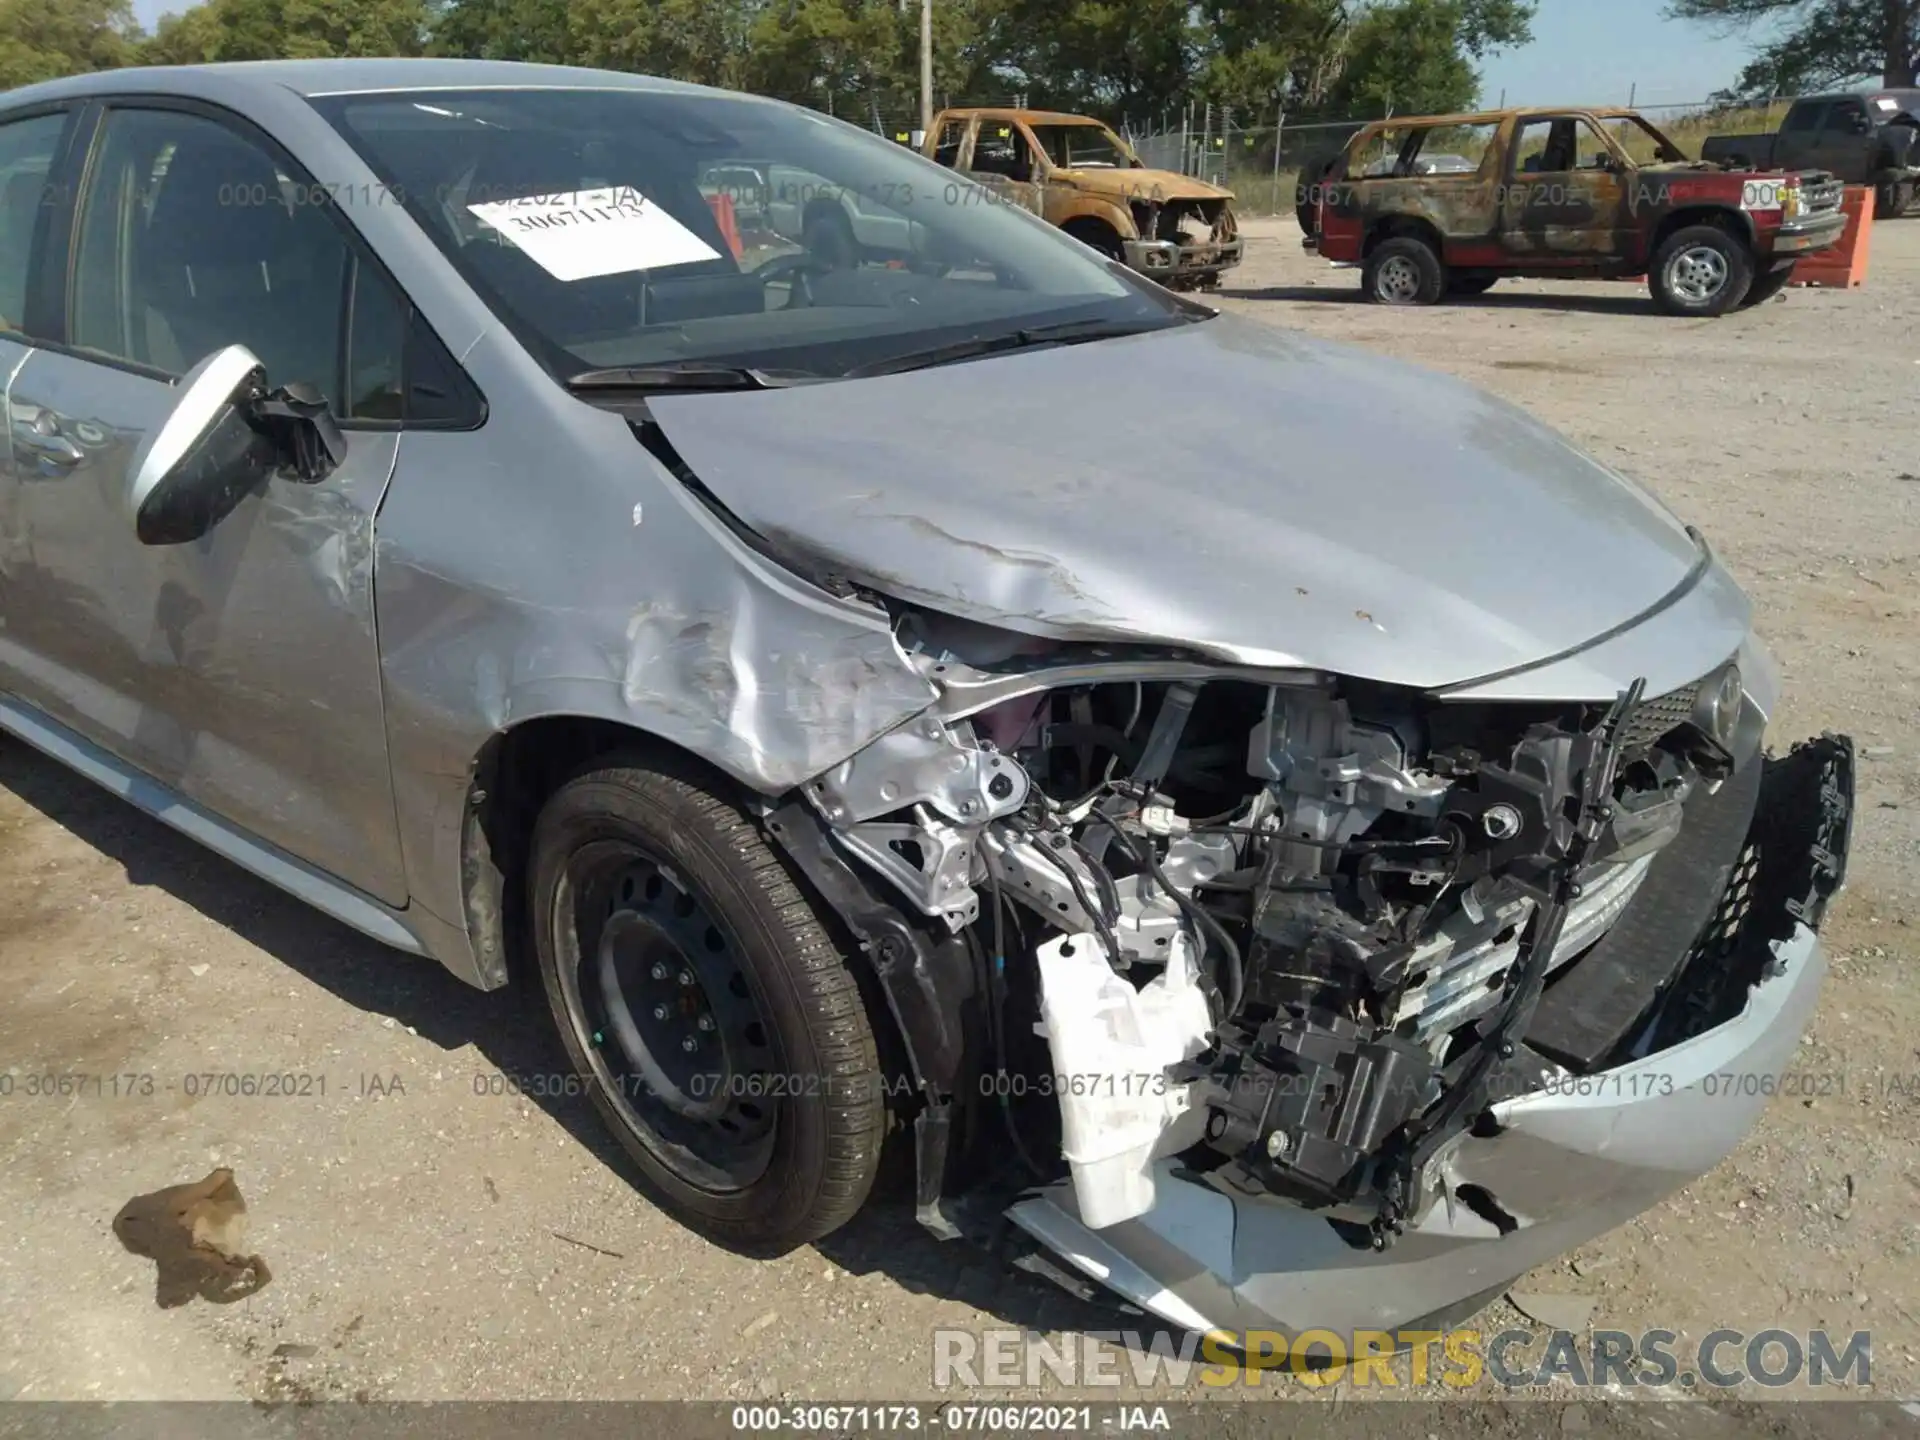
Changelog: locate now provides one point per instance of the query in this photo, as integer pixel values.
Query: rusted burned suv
(1074, 172)
(1560, 194)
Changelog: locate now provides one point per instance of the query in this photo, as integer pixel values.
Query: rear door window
(1804, 118)
(26, 159)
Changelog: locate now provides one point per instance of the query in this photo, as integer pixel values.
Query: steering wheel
(794, 268)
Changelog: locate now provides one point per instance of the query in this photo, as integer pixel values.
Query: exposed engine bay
(1289, 928)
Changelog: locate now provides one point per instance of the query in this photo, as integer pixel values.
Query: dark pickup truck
(1863, 138)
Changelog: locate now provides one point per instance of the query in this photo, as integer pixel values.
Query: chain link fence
(1261, 162)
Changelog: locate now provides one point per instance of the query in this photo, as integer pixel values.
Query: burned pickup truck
(1074, 172)
(1560, 194)
(1861, 138)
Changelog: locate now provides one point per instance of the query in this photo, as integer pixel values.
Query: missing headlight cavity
(1290, 929)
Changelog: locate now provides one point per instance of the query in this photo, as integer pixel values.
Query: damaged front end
(1184, 241)
(1228, 984)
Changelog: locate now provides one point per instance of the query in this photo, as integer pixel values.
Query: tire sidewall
(598, 807)
(1739, 272)
(1433, 274)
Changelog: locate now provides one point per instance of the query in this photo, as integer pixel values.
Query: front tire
(1700, 271)
(719, 1028)
(1403, 270)
(1892, 199)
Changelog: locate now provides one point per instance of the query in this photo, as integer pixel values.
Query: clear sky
(1583, 52)
(1598, 51)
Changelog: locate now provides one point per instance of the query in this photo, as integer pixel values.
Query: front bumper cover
(1167, 260)
(1559, 1166)
(1811, 234)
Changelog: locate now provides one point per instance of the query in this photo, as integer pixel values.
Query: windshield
(1082, 147)
(631, 228)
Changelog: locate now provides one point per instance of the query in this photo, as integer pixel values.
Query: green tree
(1111, 56)
(44, 39)
(191, 37)
(1344, 57)
(699, 40)
(534, 30)
(288, 29)
(1824, 42)
(838, 55)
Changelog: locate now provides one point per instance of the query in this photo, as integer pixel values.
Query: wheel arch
(1736, 223)
(1411, 227)
(915, 992)
(514, 773)
(1103, 222)
(918, 985)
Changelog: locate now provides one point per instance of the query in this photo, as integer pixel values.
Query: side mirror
(226, 435)
(1859, 124)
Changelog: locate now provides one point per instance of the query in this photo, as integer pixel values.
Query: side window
(1548, 146)
(376, 349)
(946, 149)
(1845, 118)
(1453, 149)
(1590, 148)
(192, 237)
(1000, 149)
(1804, 118)
(26, 158)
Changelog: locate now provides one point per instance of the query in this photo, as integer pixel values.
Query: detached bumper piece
(1580, 1152)
(1166, 260)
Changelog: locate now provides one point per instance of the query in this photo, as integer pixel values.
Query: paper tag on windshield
(583, 233)
(1884, 103)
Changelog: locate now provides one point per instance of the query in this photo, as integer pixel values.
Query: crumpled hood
(1223, 486)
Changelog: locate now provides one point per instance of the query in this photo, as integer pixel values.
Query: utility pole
(926, 68)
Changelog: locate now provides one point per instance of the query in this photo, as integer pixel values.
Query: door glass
(376, 347)
(26, 156)
(1804, 119)
(1845, 117)
(192, 238)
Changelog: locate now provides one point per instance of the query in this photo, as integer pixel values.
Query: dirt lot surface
(430, 1235)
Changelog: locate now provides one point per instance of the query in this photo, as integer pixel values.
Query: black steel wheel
(720, 1030)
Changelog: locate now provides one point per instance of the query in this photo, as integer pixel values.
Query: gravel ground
(432, 1237)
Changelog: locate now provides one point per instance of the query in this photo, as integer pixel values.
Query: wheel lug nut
(686, 977)
(659, 1012)
(689, 1044)
(706, 1022)
(659, 971)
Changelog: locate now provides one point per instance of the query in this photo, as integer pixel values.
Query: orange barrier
(1844, 266)
(724, 217)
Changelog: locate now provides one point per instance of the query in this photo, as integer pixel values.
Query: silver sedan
(1282, 826)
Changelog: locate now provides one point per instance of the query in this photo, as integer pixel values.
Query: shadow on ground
(509, 1027)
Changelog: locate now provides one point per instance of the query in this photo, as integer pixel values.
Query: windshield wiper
(1068, 332)
(688, 375)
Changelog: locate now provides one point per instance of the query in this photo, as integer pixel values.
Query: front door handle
(51, 450)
